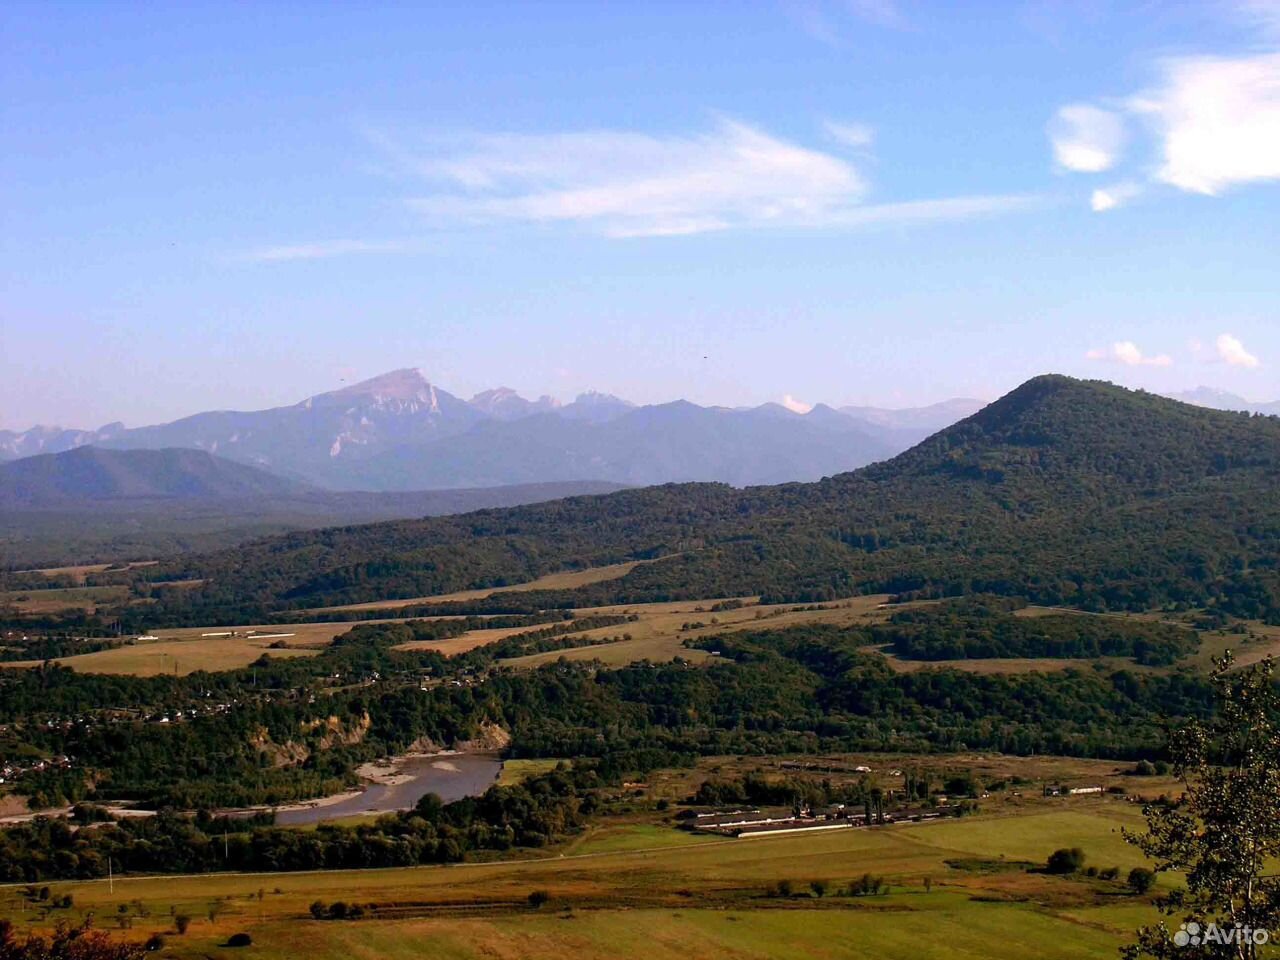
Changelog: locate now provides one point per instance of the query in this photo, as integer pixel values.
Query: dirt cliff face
(322, 734)
(489, 738)
(424, 745)
(12, 805)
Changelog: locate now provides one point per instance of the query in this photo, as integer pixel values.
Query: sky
(235, 206)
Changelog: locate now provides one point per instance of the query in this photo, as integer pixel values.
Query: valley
(954, 639)
(951, 887)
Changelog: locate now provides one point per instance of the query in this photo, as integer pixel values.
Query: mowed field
(658, 633)
(662, 628)
(647, 890)
(567, 580)
(183, 651)
(61, 599)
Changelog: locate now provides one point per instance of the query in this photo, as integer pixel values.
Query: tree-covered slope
(91, 474)
(1062, 491)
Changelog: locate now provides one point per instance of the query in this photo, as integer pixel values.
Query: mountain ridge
(96, 474)
(1063, 491)
(400, 431)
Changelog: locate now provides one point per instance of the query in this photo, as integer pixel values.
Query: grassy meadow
(639, 888)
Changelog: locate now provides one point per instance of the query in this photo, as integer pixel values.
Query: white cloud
(323, 250)
(1231, 351)
(1128, 353)
(1218, 121)
(796, 406)
(850, 134)
(1086, 139)
(626, 184)
(1118, 194)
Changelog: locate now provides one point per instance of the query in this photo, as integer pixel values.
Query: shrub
(819, 888)
(1064, 860)
(239, 940)
(180, 923)
(154, 942)
(319, 909)
(1111, 873)
(867, 885)
(1141, 879)
(537, 898)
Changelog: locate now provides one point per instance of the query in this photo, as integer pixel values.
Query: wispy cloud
(850, 134)
(796, 406)
(1085, 138)
(1128, 353)
(323, 250)
(1217, 120)
(624, 184)
(1116, 195)
(831, 22)
(1232, 352)
(882, 13)
(1213, 121)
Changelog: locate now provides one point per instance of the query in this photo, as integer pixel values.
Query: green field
(644, 889)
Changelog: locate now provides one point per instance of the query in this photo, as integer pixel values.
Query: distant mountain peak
(496, 395)
(408, 383)
(503, 403)
(1217, 399)
(596, 398)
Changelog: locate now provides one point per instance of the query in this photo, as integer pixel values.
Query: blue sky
(855, 201)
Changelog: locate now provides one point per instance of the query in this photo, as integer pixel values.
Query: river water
(450, 776)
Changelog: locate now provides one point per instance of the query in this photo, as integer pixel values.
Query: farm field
(467, 641)
(566, 580)
(79, 572)
(61, 599)
(660, 632)
(647, 890)
(184, 651)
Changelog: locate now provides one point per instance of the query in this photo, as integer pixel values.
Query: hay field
(183, 651)
(467, 641)
(660, 632)
(61, 599)
(654, 892)
(566, 580)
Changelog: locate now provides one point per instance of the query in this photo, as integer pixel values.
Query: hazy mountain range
(1223, 400)
(1063, 491)
(401, 432)
(89, 504)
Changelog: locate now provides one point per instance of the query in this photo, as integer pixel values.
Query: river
(450, 776)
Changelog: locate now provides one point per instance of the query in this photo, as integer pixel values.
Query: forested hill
(1062, 491)
(89, 474)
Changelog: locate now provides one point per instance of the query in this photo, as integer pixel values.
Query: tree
(180, 923)
(537, 898)
(1225, 828)
(1141, 879)
(66, 943)
(819, 888)
(1065, 860)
